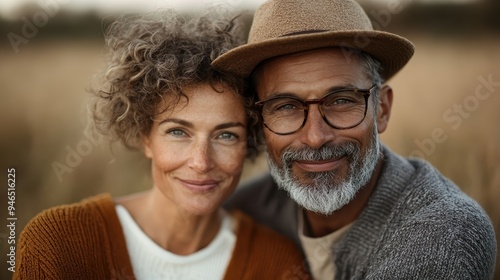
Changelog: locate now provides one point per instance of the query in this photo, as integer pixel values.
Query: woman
(161, 96)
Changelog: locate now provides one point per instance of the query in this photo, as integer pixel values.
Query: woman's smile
(195, 185)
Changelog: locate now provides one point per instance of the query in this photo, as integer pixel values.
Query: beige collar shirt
(318, 250)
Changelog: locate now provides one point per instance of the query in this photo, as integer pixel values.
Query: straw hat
(283, 27)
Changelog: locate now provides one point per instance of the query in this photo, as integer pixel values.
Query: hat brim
(391, 50)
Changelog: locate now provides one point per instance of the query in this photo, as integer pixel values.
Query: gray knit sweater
(417, 225)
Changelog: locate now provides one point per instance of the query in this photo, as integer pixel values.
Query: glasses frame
(305, 103)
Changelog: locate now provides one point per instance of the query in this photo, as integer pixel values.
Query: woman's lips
(318, 166)
(199, 185)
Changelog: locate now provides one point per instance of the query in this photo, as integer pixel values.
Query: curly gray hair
(159, 54)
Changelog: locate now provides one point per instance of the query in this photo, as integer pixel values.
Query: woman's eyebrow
(191, 125)
(228, 125)
(177, 121)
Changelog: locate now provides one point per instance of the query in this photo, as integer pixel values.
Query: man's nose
(316, 132)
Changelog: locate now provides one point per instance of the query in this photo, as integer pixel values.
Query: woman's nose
(201, 157)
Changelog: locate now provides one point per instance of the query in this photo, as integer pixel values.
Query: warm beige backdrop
(444, 110)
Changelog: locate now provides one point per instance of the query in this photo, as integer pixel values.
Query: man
(358, 210)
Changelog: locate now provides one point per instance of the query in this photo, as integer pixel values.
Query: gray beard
(326, 192)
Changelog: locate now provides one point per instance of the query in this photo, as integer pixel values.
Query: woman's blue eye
(227, 136)
(176, 133)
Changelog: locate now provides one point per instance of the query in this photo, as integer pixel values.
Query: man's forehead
(332, 53)
(306, 68)
(334, 57)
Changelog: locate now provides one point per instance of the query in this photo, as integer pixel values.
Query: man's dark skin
(309, 75)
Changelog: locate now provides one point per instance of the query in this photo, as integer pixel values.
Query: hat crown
(283, 27)
(279, 18)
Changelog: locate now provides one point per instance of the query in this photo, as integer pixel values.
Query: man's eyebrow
(330, 89)
(281, 94)
(341, 87)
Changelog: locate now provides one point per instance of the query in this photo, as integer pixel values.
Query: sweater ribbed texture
(79, 241)
(417, 225)
(85, 241)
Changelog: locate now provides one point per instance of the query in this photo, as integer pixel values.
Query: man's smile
(319, 166)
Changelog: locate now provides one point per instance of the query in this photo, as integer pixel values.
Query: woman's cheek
(232, 156)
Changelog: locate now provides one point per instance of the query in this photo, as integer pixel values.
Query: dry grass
(444, 74)
(43, 89)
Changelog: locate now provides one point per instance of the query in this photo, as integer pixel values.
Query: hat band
(303, 32)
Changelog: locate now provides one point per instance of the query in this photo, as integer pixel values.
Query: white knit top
(150, 261)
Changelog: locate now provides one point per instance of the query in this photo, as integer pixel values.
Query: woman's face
(197, 149)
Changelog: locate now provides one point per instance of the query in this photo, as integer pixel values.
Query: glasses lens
(344, 109)
(283, 115)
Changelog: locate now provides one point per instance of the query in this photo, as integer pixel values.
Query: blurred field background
(438, 114)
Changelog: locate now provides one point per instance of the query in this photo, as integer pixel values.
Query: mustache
(325, 152)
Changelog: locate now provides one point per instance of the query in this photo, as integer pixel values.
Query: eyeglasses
(341, 109)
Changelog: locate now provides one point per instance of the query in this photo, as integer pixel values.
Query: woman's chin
(200, 209)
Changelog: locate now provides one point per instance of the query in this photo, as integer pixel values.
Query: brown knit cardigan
(85, 241)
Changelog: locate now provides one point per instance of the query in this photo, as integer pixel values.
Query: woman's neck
(168, 226)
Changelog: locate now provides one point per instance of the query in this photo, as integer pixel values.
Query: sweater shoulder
(64, 241)
(433, 197)
(71, 217)
(433, 220)
(83, 240)
(417, 190)
(265, 254)
(420, 222)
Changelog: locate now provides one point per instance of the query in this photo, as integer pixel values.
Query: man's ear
(146, 147)
(384, 107)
